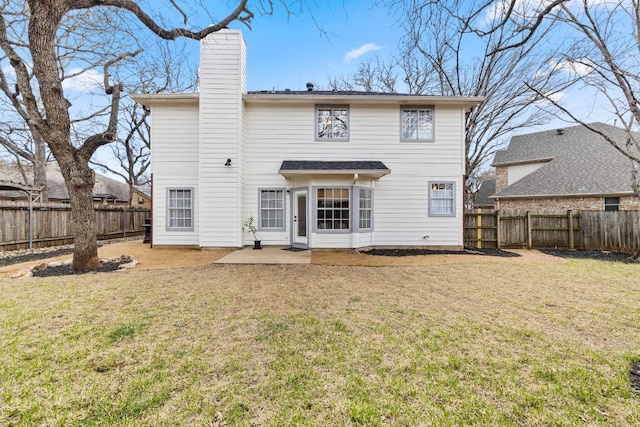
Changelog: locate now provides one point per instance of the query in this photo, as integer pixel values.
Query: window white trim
(338, 218)
(331, 123)
(423, 114)
(364, 207)
(442, 198)
(274, 213)
(180, 208)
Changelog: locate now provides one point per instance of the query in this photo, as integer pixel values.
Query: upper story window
(442, 199)
(332, 122)
(611, 203)
(417, 123)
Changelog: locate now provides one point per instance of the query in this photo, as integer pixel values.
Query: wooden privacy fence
(44, 225)
(616, 231)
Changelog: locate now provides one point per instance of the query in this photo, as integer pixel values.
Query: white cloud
(358, 52)
(551, 97)
(580, 67)
(84, 82)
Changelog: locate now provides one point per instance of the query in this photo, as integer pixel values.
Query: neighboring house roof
(484, 193)
(578, 162)
(375, 169)
(105, 187)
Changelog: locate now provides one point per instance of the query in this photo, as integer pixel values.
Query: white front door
(300, 223)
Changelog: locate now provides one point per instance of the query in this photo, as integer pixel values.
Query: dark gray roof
(486, 190)
(328, 92)
(304, 165)
(373, 169)
(104, 186)
(578, 162)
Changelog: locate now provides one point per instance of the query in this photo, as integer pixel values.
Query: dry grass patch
(449, 343)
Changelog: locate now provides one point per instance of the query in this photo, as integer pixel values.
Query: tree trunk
(80, 180)
(40, 165)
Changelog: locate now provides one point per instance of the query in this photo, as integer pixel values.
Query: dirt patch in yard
(148, 259)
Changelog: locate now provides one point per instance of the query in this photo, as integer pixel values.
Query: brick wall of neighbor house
(502, 178)
(627, 203)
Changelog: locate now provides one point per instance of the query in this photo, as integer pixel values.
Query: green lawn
(493, 343)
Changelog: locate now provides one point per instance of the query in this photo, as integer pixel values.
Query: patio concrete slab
(266, 255)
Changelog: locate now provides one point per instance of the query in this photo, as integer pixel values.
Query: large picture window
(271, 209)
(417, 123)
(442, 197)
(180, 209)
(364, 209)
(332, 209)
(332, 122)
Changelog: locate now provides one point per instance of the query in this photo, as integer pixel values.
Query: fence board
(616, 231)
(52, 224)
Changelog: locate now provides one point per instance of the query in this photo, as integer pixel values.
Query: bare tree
(451, 48)
(605, 59)
(39, 76)
(167, 71)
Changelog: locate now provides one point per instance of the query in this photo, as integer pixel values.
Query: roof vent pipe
(560, 131)
(309, 87)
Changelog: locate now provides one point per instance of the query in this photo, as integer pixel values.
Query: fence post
(124, 222)
(529, 240)
(570, 225)
(498, 233)
(479, 229)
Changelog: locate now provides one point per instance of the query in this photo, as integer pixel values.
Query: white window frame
(332, 108)
(369, 209)
(316, 210)
(417, 109)
(171, 209)
(274, 209)
(434, 186)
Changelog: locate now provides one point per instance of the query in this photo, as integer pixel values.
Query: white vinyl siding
(282, 131)
(442, 198)
(332, 122)
(271, 213)
(222, 84)
(417, 123)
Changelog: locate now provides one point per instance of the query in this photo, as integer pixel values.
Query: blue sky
(289, 51)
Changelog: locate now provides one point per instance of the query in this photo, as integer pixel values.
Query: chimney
(309, 87)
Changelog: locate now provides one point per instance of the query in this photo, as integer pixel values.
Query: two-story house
(316, 169)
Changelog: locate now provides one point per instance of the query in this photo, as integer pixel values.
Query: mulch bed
(8, 258)
(44, 270)
(413, 252)
(634, 376)
(598, 255)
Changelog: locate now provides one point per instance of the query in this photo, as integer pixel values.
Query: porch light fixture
(228, 163)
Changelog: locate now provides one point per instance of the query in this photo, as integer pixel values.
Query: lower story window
(272, 209)
(364, 220)
(442, 199)
(333, 209)
(180, 209)
(611, 203)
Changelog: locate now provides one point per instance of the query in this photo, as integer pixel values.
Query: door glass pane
(302, 215)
